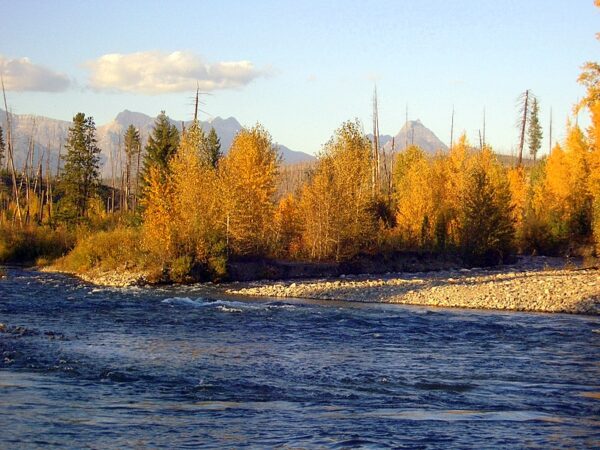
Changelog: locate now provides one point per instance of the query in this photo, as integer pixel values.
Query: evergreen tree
(487, 228)
(534, 134)
(132, 147)
(81, 173)
(213, 148)
(2, 147)
(162, 145)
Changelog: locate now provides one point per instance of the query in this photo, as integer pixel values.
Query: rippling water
(188, 367)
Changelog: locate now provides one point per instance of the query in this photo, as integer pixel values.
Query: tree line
(190, 208)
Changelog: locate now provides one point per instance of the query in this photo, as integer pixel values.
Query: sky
(301, 68)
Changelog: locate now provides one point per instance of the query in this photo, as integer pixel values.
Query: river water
(187, 367)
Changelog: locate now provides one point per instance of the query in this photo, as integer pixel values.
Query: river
(176, 367)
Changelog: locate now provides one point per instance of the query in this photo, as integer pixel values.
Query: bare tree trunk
(550, 134)
(112, 176)
(10, 156)
(452, 130)
(137, 175)
(483, 127)
(523, 127)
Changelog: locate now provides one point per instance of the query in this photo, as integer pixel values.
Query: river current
(187, 367)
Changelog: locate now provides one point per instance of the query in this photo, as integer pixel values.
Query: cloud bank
(155, 72)
(22, 75)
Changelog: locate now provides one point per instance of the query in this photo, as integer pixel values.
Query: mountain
(415, 133)
(383, 139)
(48, 133)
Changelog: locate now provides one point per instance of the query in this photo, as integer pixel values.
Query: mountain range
(48, 133)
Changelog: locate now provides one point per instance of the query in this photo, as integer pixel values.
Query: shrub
(33, 243)
(107, 250)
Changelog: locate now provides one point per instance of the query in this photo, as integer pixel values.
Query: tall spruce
(161, 146)
(132, 148)
(534, 133)
(487, 228)
(81, 173)
(213, 148)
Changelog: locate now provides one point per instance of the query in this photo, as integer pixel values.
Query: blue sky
(301, 68)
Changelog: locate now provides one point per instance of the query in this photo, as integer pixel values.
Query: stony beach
(528, 286)
(533, 284)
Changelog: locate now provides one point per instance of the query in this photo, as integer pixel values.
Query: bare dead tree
(483, 140)
(11, 157)
(550, 133)
(375, 146)
(452, 129)
(524, 115)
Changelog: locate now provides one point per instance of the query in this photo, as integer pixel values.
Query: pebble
(517, 289)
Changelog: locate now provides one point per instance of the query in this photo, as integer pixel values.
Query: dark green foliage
(81, 173)
(487, 230)
(132, 142)
(213, 148)
(132, 148)
(534, 134)
(161, 146)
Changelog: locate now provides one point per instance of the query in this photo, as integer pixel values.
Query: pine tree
(161, 146)
(132, 147)
(487, 229)
(81, 173)
(213, 148)
(534, 135)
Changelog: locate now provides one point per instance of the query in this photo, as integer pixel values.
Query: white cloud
(22, 75)
(155, 72)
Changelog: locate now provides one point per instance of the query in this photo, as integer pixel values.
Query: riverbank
(539, 285)
(532, 284)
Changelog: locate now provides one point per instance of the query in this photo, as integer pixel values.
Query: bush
(34, 244)
(107, 250)
(180, 269)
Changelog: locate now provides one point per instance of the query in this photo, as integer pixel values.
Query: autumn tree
(81, 172)
(161, 146)
(184, 226)
(132, 148)
(336, 205)
(590, 79)
(562, 201)
(453, 169)
(158, 216)
(287, 228)
(249, 179)
(519, 193)
(534, 132)
(416, 198)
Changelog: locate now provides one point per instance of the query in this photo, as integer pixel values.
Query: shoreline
(549, 290)
(533, 284)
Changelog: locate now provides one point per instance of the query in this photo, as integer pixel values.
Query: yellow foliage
(416, 198)
(517, 181)
(249, 174)
(287, 227)
(158, 213)
(336, 205)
